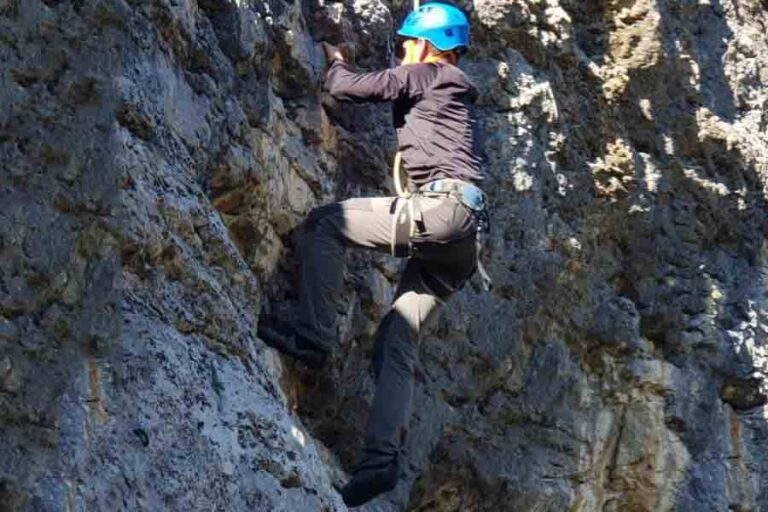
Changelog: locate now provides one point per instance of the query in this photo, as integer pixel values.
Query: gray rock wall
(157, 158)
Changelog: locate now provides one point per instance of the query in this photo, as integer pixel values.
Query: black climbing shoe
(288, 341)
(369, 482)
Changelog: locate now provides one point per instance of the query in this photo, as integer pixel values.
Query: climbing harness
(402, 211)
(407, 215)
(475, 201)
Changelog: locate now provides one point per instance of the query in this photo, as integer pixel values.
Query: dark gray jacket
(433, 115)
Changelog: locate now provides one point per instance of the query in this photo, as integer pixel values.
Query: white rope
(398, 174)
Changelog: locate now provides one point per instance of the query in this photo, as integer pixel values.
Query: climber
(436, 227)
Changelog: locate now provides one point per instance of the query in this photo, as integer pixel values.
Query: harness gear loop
(484, 277)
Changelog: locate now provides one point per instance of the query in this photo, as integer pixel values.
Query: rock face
(157, 158)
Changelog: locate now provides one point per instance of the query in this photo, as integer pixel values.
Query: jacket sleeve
(347, 85)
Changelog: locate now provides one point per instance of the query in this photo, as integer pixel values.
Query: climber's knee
(321, 217)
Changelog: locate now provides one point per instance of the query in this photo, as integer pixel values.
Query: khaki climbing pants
(442, 259)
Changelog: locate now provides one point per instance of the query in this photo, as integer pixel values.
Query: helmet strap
(416, 50)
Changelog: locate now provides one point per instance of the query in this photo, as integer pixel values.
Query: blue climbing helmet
(443, 25)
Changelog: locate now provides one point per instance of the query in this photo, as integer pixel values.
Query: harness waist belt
(468, 194)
